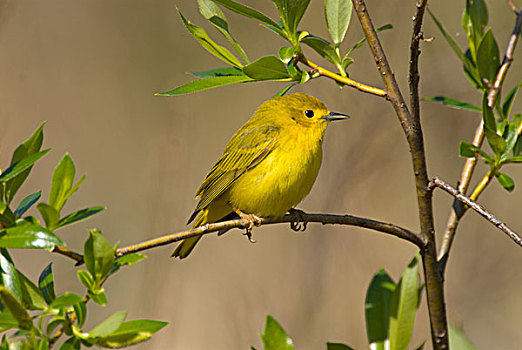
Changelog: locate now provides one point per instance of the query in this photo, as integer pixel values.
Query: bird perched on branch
(268, 166)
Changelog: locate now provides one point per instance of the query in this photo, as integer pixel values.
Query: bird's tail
(185, 247)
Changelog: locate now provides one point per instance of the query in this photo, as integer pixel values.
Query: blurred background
(90, 70)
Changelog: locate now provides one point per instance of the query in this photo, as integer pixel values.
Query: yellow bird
(268, 166)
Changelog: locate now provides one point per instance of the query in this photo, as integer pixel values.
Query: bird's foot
(253, 220)
(303, 220)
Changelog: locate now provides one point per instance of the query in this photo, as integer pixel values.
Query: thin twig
(458, 210)
(506, 62)
(68, 253)
(436, 182)
(345, 80)
(350, 220)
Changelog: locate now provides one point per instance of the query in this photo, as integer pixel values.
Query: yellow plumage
(268, 166)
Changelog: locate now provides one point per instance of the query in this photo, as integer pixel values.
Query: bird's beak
(335, 116)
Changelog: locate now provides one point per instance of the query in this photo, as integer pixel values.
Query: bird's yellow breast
(283, 178)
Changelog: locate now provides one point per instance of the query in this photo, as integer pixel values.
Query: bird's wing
(245, 150)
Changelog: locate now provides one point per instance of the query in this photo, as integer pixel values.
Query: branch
(324, 219)
(436, 182)
(345, 80)
(68, 253)
(458, 210)
(506, 62)
(413, 131)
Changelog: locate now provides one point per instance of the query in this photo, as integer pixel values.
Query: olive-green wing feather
(249, 146)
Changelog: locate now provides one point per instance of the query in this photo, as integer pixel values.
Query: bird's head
(304, 110)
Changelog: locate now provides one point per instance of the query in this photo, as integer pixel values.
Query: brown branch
(324, 219)
(413, 131)
(68, 253)
(436, 182)
(506, 62)
(345, 80)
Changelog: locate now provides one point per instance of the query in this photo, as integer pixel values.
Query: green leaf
(98, 255)
(26, 203)
(405, 302)
(205, 84)
(267, 68)
(32, 297)
(16, 309)
(337, 346)
(7, 321)
(510, 98)
(450, 102)
(219, 72)
(323, 48)
(46, 284)
(30, 146)
(29, 236)
(66, 299)
(217, 18)
(275, 337)
(377, 305)
(467, 63)
(458, 339)
(247, 12)
(291, 12)
(130, 259)
(208, 44)
(49, 215)
(478, 16)
(19, 167)
(81, 313)
(9, 275)
(338, 14)
(62, 183)
(71, 344)
(130, 333)
(99, 298)
(496, 142)
(488, 60)
(19, 285)
(86, 279)
(43, 344)
(505, 181)
(284, 90)
(108, 326)
(516, 159)
(286, 54)
(511, 134)
(78, 216)
(468, 150)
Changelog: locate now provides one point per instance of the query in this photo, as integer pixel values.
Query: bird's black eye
(309, 113)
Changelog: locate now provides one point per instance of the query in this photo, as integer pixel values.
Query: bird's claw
(303, 220)
(253, 220)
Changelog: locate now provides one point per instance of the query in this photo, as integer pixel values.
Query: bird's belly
(277, 184)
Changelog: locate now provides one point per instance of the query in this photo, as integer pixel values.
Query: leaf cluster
(481, 62)
(32, 316)
(282, 66)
